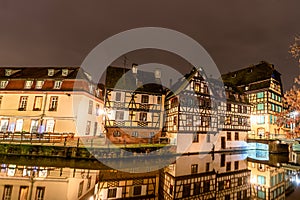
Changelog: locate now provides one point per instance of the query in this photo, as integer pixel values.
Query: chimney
(134, 68)
(157, 73)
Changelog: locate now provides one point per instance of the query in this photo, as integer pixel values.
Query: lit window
(23, 103)
(88, 128)
(28, 84)
(260, 119)
(34, 126)
(50, 72)
(260, 106)
(39, 84)
(57, 84)
(97, 110)
(53, 103)
(3, 84)
(7, 192)
(64, 72)
(197, 87)
(19, 125)
(50, 125)
(38, 100)
(23, 193)
(261, 180)
(260, 95)
(143, 116)
(194, 169)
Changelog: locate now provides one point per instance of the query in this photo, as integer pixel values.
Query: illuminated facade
(206, 176)
(134, 104)
(49, 100)
(262, 84)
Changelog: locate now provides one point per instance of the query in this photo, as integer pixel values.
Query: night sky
(235, 33)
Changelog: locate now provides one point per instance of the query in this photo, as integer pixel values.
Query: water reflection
(247, 175)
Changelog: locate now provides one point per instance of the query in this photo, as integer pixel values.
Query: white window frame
(3, 84)
(57, 85)
(19, 125)
(28, 84)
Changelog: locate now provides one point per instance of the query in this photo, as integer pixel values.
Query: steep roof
(257, 76)
(125, 79)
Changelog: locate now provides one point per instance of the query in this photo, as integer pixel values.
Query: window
(50, 125)
(4, 125)
(134, 134)
(97, 110)
(261, 194)
(195, 137)
(197, 87)
(228, 107)
(88, 185)
(119, 115)
(208, 138)
(50, 72)
(7, 192)
(194, 169)
(207, 167)
(145, 99)
(116, 134)
(143, 116)
(236, 136)
(228, 136)
(239, 195)
(112, 193)
(39, 84)
(206, 187)
(196, 188)
(239, 109)
(95, 128)
(236, 165)
(23, 193)
(261, 180)
(260, 119)
(223, 160)
(88, 128)
(28, 84)
(221, 185)
(245, 109)
(64, 72)
(1, 97)
(186, 190)
(171, 189)
(240, 121)
(260, 95)
(80, 189)
(158, 100)
(23, 103)
(90, 110)
(118, 96)
(228, 166)
(227, 197)
(19, 125)
(227, 120)
(189, 120)
(34, 126)
(57, 84)
(3, 84)
(175, 120)
(260, 106)
(205, 121)
(53, 103)
(38, 101)
(137, 190)
(40, 193)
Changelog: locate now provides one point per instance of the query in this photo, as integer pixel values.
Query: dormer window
(28, 84)
(247, 88)
(50, 72)
(57, 84)
(65, 72)
(39, 84)
(3, 84)
(8, 72)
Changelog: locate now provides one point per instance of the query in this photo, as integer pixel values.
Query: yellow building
(49, 100)
(262, 84)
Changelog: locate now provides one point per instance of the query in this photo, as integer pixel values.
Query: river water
(240, 175)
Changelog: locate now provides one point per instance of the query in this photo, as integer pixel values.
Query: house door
(223, 142)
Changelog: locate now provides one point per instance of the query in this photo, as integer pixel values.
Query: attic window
(39, 84)
(57, 84)
(3, 84)
(65, 72)
(50, 72)
(8, 72)
(233, 75)
(28, 84)
(246, 87)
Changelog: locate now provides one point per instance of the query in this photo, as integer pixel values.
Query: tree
(291, 100)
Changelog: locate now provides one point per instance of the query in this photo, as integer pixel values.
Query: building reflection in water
(209, 176)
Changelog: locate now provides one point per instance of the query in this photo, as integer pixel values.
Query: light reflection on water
(247, 175)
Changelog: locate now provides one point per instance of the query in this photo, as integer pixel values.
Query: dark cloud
(235, 33)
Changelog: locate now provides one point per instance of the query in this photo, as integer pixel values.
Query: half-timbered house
(134, 104)
(262, 84)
